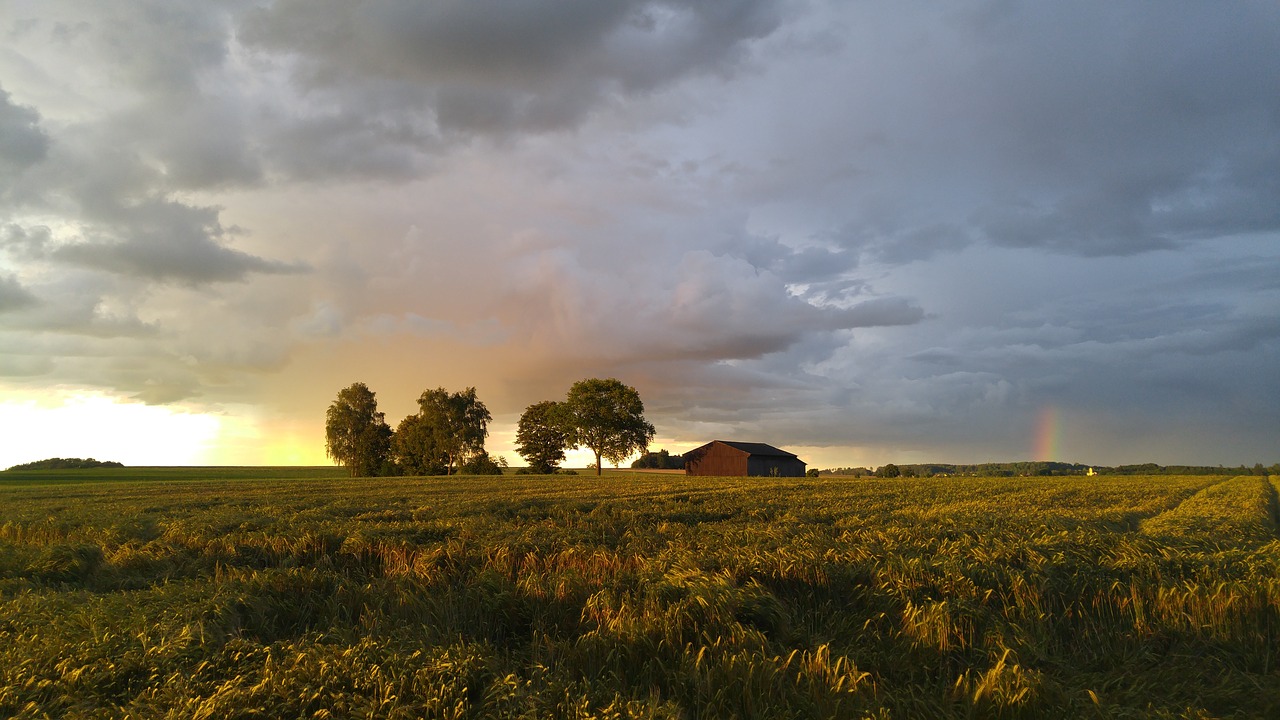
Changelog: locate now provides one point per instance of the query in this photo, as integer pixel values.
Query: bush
(481, 464)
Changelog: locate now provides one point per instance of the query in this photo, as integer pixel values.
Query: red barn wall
(717, 460)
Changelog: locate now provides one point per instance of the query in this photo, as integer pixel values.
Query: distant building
(736, 459)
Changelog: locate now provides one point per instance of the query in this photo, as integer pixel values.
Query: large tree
(540, 437)
(414, 448)
(458, 424)
(607, 418)
(356, 434)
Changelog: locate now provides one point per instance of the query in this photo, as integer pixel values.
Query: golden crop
(295, 596)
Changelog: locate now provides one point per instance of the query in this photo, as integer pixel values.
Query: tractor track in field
(1273, 490)
(1244, 506)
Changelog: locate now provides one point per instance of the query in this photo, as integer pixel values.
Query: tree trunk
(597, 452)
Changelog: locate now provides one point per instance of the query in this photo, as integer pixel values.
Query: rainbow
(1048, 435)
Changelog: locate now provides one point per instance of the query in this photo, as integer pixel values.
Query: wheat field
(297, 593)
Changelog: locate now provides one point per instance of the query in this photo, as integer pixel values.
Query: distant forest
(67, 464)
(664, 460)
(1027, 469)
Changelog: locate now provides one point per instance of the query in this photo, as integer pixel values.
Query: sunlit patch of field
(214, 593)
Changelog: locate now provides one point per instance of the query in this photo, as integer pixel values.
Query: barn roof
(754, 448)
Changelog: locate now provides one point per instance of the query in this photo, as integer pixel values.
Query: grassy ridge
(166, 473)
(640, 596)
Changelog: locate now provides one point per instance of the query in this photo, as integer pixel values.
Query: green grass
(238, 592)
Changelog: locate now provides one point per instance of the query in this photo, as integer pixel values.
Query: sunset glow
(97, 426)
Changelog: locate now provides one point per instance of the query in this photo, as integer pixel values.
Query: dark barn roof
(754, 448)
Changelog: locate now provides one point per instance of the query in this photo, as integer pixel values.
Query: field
(298, 593)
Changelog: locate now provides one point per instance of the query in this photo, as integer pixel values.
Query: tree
(661, 460)
(414, 450)
(540, 437)
(356, 434)
(888, 471)
(606, 417)
(458, 424)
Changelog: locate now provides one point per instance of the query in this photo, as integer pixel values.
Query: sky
(867, 232)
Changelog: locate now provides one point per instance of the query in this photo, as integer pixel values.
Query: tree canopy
(356, 433)
(540, 437)
(414, 450)
(458, 424)
(607, 418)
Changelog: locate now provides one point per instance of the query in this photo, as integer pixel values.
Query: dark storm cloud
(351, 142)
(1135, 129)
(495, 67)
(162, 240)
(1090, 129)
(879, 225)
(113, 180)
(880, 312)
(806, 264)
(79, 303)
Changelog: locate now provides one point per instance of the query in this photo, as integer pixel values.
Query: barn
(723, 457)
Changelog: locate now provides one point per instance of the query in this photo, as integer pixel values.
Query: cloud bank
(877, 233)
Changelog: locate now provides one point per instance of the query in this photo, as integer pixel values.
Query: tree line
(1040, 468)
(67, 464)
(447, 433)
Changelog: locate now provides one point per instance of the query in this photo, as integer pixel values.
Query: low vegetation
(161, 595)
(660, 460)
(67, 464)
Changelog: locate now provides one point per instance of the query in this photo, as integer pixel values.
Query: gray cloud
(25, 243)
(494, 68)
(169, 241)
(1097, 130)
(13, 295)
(162, 47)
(22, 142)
(1149, 112)
(83, 304)
(898, 229)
